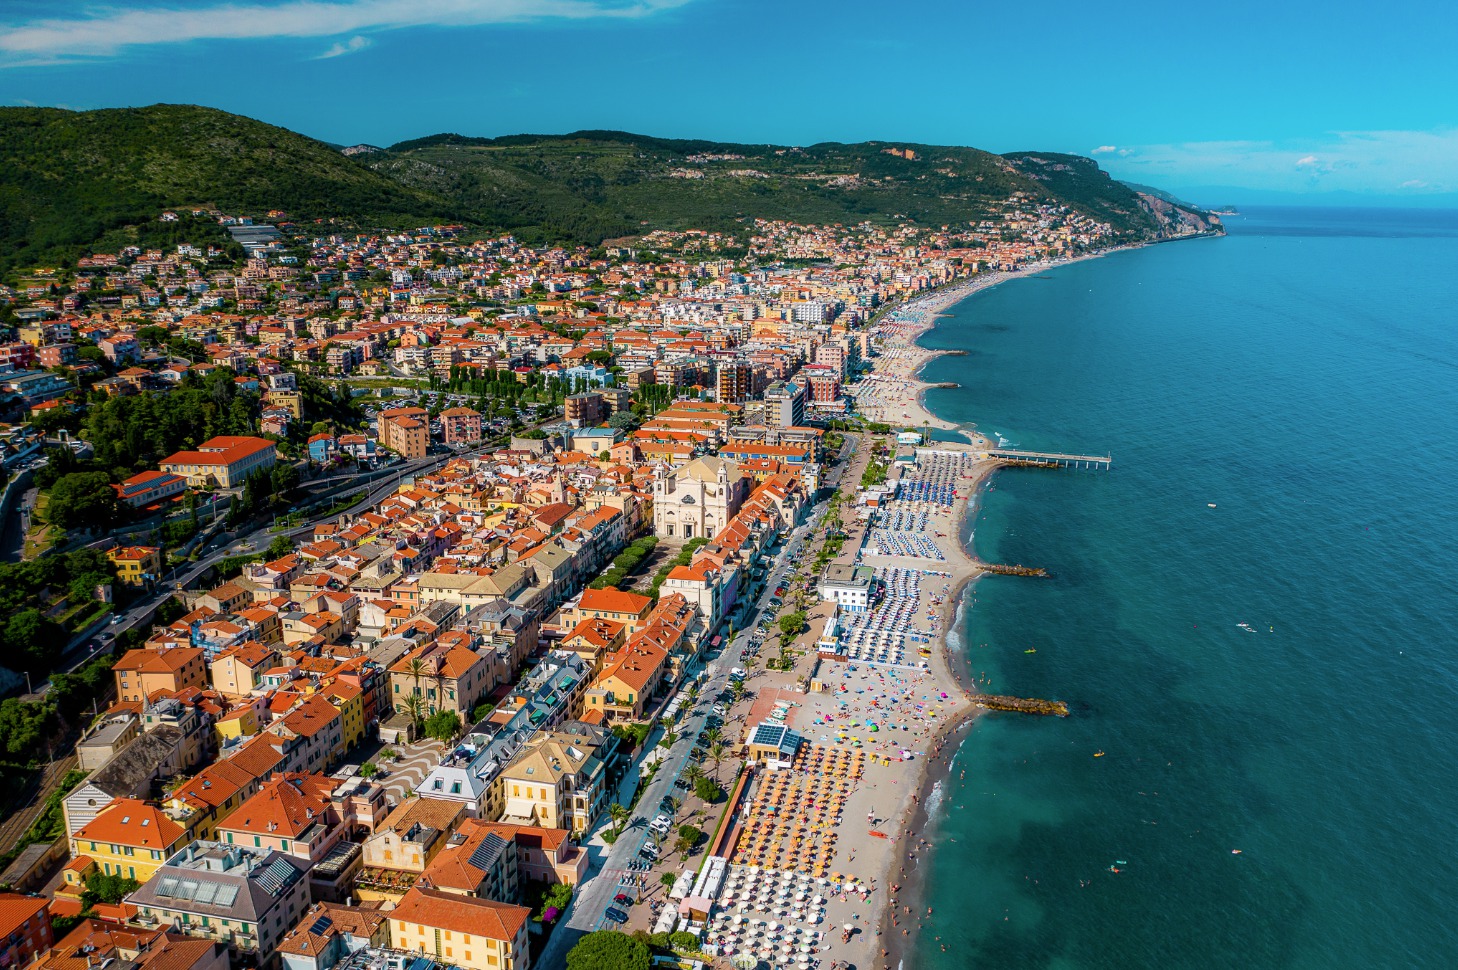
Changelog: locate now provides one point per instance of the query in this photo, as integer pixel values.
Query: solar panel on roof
(274, 876)
(187, 889)
(168, 886)
(321, 926)
(488, 851)
(206, 892)
(226, 895)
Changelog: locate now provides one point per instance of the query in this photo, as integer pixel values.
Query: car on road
(616, 915)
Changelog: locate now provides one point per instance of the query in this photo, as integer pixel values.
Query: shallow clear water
(1302, 375)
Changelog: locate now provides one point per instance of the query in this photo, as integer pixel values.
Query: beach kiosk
(772, 745)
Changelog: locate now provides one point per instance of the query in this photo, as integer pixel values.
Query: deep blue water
(1302, 374)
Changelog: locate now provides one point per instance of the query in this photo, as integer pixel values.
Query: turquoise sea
(1301, 374)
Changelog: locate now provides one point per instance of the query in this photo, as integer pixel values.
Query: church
(697, 499)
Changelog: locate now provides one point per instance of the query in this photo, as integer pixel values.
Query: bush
(683, 941)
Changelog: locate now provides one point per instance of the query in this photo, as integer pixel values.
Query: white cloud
(110, 30)
(355, 43)
(1353, 161)
(1105, 149)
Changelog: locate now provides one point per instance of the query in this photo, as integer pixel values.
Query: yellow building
(239, 723)
(136, 565)
(549, 784)
(471, 933)
(349, 700)
(129, 838)
(223, 461)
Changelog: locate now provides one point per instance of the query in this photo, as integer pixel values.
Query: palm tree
(693, 773)
(717, 753)
(414, 707)
(415, 667)
(713, 735)
(738, 688)
(619, 814)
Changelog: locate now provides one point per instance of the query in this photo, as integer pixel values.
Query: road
(596, 891)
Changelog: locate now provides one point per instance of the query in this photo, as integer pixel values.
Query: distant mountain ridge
(73, 180)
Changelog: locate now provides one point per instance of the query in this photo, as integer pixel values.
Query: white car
(738, 673)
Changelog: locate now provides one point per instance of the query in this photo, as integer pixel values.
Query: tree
(281, 546)
(717, 753)
(443, 726)
(101, 888)
(34, 639)
(413, 707)
(708, 790)
(737, 689)
(23, 729)
(82, 500)
(619, 814)
(609, 950)
(624, 421)
(792, 623)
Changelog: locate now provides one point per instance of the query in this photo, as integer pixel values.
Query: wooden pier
(1022, 705)
(1051, 459)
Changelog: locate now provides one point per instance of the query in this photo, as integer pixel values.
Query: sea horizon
(1194, 618)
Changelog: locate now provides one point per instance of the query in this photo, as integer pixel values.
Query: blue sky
(1321, 99)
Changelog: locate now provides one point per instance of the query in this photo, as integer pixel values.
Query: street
(595, 893)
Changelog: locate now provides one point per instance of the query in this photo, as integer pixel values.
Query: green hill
(74, 180)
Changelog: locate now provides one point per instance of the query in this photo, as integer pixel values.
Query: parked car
(616, 915)
(623, 899)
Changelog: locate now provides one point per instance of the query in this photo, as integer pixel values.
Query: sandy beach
(878, 699)
(894, 393)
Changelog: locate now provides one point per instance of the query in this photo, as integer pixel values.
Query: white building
(848, 586)
(697, 499)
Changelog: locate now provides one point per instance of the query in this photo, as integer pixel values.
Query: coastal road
(596, 891)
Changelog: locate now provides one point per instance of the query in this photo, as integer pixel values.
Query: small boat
(1098, 754)
(1209, 505)
(1033, 650)
(1120, 862)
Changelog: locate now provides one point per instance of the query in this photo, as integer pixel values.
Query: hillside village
(412, 615)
